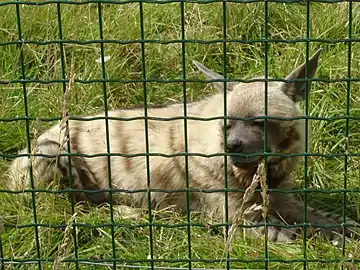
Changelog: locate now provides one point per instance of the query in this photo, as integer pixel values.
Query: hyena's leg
(254, 217)
(44, 169)
(54, 169)
(213, 204)
(284, 209)
(286, 216)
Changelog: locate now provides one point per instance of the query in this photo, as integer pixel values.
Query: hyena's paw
(277, 229)
(275, 233)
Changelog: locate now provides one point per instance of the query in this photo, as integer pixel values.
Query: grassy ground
(94, 242)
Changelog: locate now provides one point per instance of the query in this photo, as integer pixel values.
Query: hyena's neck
(278, 173)
(209, 107)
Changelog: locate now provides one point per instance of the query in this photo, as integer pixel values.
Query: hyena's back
(127, 145)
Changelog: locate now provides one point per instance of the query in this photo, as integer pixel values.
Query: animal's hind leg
(50, 170)
(57, 170)
(44, 169)
(82, 179)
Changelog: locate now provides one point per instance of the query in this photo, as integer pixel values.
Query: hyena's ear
(211, 75)
(297, 90)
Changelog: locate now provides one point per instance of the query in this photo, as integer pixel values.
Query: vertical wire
(306, 184)
(183, 60)
(63, 77)
(143, 69)
(225, 133)
(28, 140)
(2, 264)
(348, 91)
(103, 77)
(266, 30)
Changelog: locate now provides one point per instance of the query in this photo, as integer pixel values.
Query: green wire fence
(26, 76)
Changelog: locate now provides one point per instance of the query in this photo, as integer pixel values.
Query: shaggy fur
(129, 173)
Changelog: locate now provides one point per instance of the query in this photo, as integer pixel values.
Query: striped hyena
(129, 171)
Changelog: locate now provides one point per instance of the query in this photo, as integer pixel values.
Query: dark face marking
(246, 139)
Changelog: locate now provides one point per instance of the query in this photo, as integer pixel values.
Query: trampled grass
(67, 233)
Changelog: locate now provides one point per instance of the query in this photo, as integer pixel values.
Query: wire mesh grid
(125, 248)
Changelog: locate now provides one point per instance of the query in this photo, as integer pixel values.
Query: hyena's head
(247, 100)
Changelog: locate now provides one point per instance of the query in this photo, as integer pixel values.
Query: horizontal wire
(2, 155)
(171, 41)
(161, 2)
(87, 118)
(24, 81)
(193, 190)
(49, 260)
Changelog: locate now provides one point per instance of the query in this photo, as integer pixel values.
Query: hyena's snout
(235, 146)
(244, 150)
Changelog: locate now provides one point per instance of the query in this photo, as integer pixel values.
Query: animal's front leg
(278, 230)
(214, 205)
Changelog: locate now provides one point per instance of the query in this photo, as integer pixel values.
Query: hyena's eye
(229, 125)
(258, 123)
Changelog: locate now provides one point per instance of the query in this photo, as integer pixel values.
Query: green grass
(164, 61)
